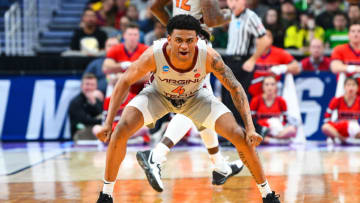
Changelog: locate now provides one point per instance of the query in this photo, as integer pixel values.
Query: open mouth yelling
(183, 53)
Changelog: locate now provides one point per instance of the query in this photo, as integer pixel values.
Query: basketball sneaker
(151, 168)
(219, 177)
(271, 198)
(104, 198)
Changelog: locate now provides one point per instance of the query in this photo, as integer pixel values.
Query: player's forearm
(160, 13)
(117, 97)
(214, 17)
(242, 105)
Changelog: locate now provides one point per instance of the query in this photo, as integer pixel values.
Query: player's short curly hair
(183, 22)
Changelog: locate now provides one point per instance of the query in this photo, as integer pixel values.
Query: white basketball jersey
(189, 7)
(174, 83)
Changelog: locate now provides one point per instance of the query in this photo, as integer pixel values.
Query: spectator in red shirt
(346, 57)
(348, 114)
(118, 59)
(274, 61)
(316, 61)
(270, 112)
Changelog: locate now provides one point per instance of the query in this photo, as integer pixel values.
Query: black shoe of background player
(104, 198)
(219, 178)
(264, 131)
(271, 198)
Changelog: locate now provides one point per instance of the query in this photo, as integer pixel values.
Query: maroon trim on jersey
(353, 50)
(348, 104)
(176, 69)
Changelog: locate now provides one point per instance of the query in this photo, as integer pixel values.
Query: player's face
(88, 85)
(354, 33)
(236, 6)
(269, 86)
(183, 43)
(351, 87)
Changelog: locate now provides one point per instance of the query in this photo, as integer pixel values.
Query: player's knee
(238, 136)
(122, 130)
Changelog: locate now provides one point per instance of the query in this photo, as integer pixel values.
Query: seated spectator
(272, 22)
(273, 61)
(86, 108)
(120, 56)
(348, 114)
(158, 33)
(270, 111)
(88, 39)
(339, 34)
(148, 22)
(299, 36)
(132, 13)
(106, 15)
(354, 13)
(124, 22)
(288, 14)
(346, 57)
(259, 8)
(316, 61)
(325, 19)
(220, 37)
(120, 11)
(95, 67)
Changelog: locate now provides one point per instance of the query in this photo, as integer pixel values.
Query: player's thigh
(150, 104)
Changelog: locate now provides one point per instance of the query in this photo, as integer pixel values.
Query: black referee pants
(235, 63)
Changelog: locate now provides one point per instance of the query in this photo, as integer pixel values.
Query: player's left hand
(249, 65)
(105, 133)
(253, 138)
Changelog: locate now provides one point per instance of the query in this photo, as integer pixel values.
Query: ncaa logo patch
(165, 69)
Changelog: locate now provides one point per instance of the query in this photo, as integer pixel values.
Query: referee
(245, 28)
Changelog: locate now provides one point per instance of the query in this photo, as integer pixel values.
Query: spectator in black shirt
(88, 38)
(86, 108)
(325, 19)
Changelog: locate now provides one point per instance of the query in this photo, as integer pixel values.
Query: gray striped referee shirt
(242, 31)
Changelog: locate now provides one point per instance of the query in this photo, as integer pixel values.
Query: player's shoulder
(278, 50)
(118, 48)
(143, 46)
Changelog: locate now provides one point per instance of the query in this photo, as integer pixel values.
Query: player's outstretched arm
(158, 10)
(137, 70)
(216, 65)
(212, 14)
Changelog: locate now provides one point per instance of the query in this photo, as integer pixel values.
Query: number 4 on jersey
(180, 90)
(183, 5)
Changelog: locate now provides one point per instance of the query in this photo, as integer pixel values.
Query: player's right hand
(253, 138)
(104, 134)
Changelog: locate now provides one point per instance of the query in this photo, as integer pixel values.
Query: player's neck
(178, 63)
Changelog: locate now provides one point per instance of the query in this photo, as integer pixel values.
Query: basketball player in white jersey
(180, 64)
(208, 12)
